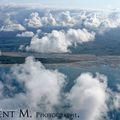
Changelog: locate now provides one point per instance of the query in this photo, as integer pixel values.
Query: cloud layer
(73, 27)
(37, 18)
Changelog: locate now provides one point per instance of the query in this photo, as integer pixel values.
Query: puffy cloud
(49, 20)
(59, 41)
(37, 21)
(11, 26)
(34, 20)
(43, 87)
(98, 21)
(66, 19)
(26, 34)
(52, 42)
(80, 36)
(88, 96)
(92, 22)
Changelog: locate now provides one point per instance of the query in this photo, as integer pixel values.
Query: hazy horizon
(87, 4)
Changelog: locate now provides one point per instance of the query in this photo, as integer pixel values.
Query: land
(56, 60)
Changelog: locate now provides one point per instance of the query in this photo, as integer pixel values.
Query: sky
(100, 4)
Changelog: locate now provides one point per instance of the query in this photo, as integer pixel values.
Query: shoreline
(54, 59)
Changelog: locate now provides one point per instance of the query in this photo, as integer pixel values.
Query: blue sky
(71, 3)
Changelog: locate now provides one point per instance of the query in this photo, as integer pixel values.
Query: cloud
(65, 18)
(59, 41)
(10, 26)
(116, 98)
(26, 34)
(115, 18)
(52, 42)
(37, 21)
(80, 36)
(116, 101)
(34, 21)
(88, 96)
(14, 103)
(49, 20)
(92, 22)
(42, 89)
(97, 21)
(43, 86)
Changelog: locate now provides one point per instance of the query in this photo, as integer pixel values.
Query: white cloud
(26, 34)
(11, 26)
(49, 20)
(92, 22)
(66, 19)
(34, 20)
(98, 21)
(88, 96)
(43, 87)
(80, 36)
(59, 41)
(52, 42)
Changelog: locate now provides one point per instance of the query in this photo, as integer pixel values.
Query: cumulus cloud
(65, 18)
(80, 36)
(43, 87)
(98, 21)
(10, 26)
(43, 92)
(59, 41)
(49, 20)
(34, 20)
(88, 96)
(62, 19)
(92, 22)
(26, 34)
(52, 42)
